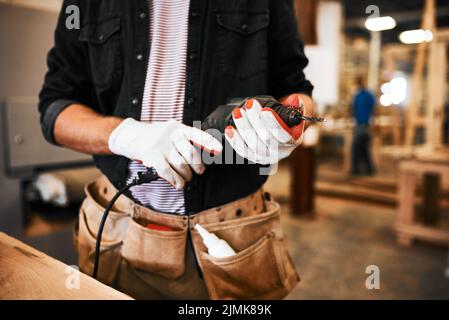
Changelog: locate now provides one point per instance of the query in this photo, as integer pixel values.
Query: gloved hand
(260, 135)
(165, 146)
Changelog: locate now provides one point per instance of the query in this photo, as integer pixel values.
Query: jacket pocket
(243, 43)
(155, 251)
(103, 43)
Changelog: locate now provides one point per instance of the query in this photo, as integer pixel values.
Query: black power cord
(142, 177)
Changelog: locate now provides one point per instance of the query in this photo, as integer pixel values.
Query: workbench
(433, 169)
(26, 273)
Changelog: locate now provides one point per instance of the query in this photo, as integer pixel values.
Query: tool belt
(148, 263)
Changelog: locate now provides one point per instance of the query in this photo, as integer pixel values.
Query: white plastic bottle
(217, 247)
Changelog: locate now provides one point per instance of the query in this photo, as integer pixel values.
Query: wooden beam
(422, 232)
(428, 22)
(436, 94)
(302, 183)
(306, 17)
(442, 35)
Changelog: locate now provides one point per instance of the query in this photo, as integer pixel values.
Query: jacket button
(135, 102)
(192, 56)
(142, 15)
(101, 37)
(139, 57)
(195, 14)
(190, 101)
(244, 26)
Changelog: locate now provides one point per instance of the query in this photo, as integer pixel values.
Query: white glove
(165, 146)
(260, 135)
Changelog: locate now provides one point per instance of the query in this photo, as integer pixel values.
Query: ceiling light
(416, 36)
(380, 23)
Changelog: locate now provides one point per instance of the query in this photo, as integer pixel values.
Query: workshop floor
(333, 250)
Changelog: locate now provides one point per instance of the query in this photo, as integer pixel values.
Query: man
(363, 105)
(129, 84)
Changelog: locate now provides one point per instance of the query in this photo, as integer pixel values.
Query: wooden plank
(26, 273)
(423, 232)
(420, 167)
(407, 184)
(352, 192)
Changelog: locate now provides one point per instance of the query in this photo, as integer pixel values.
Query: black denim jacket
(236, 48)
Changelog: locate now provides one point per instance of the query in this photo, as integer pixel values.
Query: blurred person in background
(363, 109)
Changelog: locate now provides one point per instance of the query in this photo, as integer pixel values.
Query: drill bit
(313, 119)
(293, 116)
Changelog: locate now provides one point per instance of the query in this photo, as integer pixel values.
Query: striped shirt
(163, 96)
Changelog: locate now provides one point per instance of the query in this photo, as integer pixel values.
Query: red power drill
(222, 116)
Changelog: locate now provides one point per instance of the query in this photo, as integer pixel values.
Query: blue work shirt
(363, 106)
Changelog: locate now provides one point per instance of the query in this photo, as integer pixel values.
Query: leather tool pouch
(262, 267)
(125, 236)
(155, 251)
(98, 194)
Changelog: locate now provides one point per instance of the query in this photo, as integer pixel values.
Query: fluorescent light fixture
(380, 23)
(416, 36)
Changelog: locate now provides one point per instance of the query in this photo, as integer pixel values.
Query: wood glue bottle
(217, 247)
